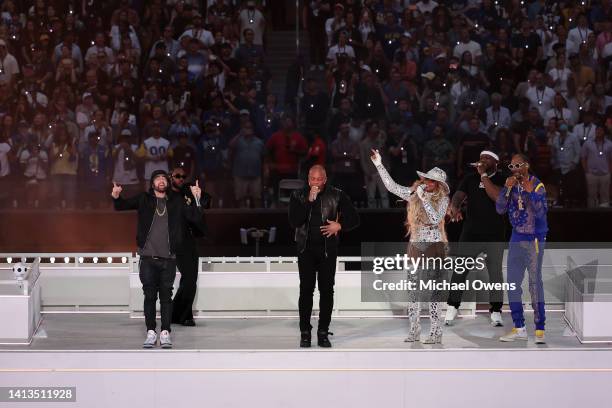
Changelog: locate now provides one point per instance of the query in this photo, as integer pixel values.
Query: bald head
(317, 176)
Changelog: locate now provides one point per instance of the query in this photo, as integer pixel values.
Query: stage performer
(523, 198)
(318, 213)
(427, 202)
(161, 222)
(187, 255)
(483, 230)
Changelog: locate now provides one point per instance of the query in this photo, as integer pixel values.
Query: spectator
(470, 145)
(314, 105)
(345, 163)
(596, 155)
(155, 150)
(247, 153)
(284, 149)
(252, 19)
(376, 140)
(94, 171)
(64, 163)
(565, 149)
(125, 163)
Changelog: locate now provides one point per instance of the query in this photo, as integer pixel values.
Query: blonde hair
(415, 212)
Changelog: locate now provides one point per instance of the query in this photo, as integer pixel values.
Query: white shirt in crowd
(254, 20)
(541, 99)
(8, 67)
(473, 47)
(426, 6)
(457, 89)
(156, 148)
(5, 168)
(584, 132)
(120, 174)
(34, 164)
(333, 52)
(200, 34)
(575, 37)
(563, 114)
(562, 75)
(498, 118)
(330, 29)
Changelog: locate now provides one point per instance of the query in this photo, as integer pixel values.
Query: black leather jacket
(335, 205)
(180, 214)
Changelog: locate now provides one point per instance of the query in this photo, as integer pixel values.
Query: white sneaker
(515, 334)
(151, 339)
(496, 319)
(539, 337)
(451, 314)
(164, 339)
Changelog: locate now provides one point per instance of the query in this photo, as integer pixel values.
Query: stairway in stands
(280, 54)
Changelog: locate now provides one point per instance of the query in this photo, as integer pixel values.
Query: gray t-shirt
(158, 240)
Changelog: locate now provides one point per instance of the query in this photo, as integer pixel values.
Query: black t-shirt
(315, 237)
(481, 217)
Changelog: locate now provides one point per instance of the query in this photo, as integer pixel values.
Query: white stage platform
(256, 363)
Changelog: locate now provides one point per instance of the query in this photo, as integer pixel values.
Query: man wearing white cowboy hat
(425, 223)
(483, 230)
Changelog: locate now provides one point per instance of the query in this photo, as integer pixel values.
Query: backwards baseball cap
(158, 173)
(490, 154)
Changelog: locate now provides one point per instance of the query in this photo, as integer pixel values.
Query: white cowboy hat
(438, 175)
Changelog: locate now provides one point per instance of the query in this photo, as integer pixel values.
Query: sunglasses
(179, 176)
(516, 166)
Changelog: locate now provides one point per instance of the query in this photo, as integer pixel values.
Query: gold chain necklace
(162, 213)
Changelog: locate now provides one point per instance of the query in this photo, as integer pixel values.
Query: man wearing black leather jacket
(187, 256)
(162, 219)
(318, 213)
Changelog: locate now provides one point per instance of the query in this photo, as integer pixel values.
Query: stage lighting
(66, 259)
(20, 271)
(52, 259)
(81, 259)
(9, 260)
(109, 260)
(123, 259)
(95, 259)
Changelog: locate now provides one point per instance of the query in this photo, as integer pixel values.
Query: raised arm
(392, 186)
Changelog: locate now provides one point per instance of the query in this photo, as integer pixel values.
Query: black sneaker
(305, 339)
(189, 323)
(323, 339)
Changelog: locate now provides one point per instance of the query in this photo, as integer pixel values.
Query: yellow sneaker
(539, 337)
(515, 334)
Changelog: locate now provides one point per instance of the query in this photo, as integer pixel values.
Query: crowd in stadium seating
(98, 91)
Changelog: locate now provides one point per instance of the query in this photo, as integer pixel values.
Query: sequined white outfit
(420, 234)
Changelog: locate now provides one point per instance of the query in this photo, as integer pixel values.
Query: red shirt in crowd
(317, 152)
(286, 151)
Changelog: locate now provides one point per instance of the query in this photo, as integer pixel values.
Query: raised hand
(116, 190)
(196, 191)
(510, 182)
(375, 157)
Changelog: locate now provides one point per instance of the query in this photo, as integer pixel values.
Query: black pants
(157, 276)
(471, 245)
(314, 266)
(318, 41)
(182, 307)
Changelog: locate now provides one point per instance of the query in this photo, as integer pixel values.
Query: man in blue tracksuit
(524, 199)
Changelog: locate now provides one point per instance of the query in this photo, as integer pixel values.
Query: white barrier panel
(19, 305)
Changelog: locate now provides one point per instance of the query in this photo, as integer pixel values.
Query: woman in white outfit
(427, 202)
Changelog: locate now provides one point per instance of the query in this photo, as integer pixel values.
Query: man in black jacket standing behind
(187, 256)
(318, 213)
(160, 231)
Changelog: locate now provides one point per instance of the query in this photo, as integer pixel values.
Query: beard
(160, 188)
